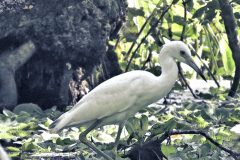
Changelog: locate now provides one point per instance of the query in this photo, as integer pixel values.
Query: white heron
(3, 154)
(119, 98)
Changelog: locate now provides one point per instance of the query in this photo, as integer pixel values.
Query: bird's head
(180, 51)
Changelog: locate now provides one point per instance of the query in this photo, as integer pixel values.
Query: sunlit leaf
(144, 122)
(226, 56)
(201, 122)
(13, 149)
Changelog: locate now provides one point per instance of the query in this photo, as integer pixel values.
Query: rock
(30, 108)
(64, 32)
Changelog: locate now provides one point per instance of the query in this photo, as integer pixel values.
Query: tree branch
(16, 58)
(205, 66)
(185, 81)
(148, 59)
(234, 154)
(141, 30)
(182, 37)
(148, 33)
(185, 19)
(231, 30)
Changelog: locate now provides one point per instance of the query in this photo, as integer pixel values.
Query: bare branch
(148, 33)
(141, 30)
(234, 154)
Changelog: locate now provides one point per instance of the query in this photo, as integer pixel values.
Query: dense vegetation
(150, 24)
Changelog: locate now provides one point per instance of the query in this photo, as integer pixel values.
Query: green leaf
(183, 125)
(13, 149)
(206, 115)
(6, 136)
(213, 5)
(237, 15)
(168, 149)
(144, 122)
(185, 112)
(190, 5)
(179, 20)
(201, 122)
(161, 128)
(64, 142)
(236, 1)
(199, 12)
(210, 14)
(228, 62)
(175, 1)
(29, 146)
(133, 125)
(222, 113)
(136, 12)
(204, 149)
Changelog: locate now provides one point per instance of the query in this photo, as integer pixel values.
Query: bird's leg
(121, 125)
(89, 129)
(83, 139)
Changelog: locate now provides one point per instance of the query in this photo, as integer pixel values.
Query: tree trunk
(231, 30)
(67, 34)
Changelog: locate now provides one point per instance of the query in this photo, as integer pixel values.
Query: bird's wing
(120, 93)
(112, 96)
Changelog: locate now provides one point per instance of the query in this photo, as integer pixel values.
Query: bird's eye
(182, 53)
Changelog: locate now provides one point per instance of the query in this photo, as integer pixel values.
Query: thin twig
(185, 81)
(182, 37)
(234, 154)
(182, 79)
(116, 44)
(141, 30)
(205, 66)
(185, 19)
(147, 60)
(148, 33)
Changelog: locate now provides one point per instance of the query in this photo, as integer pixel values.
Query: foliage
(201, 28)
(26, 134)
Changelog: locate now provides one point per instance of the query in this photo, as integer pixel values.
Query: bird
(3, 154)
(121, 97)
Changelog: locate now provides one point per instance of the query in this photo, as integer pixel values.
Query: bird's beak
(192, 64)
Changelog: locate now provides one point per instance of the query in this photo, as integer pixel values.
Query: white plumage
(120, 97)
(3, 154)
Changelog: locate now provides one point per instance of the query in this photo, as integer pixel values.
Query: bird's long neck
(169, 72)
(169, 67)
